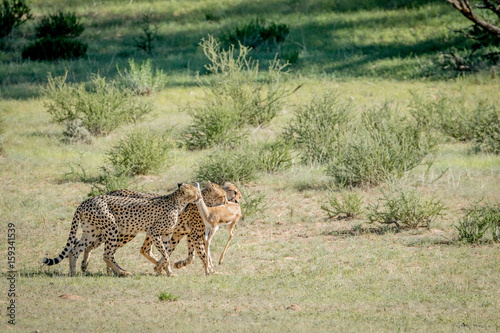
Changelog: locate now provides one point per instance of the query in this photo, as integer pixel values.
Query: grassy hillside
(289, 267)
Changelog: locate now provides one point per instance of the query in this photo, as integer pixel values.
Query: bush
(13, 13)
(476, 222)
(213, 125)
(54, 49)
(76, 132)
(141, 152)
(57, 35)
(60, 24)
(486, 128)
(257, 33)
(382, 144)
(317, 125)
(108, 181)
(146, 41)
(349, 205)
(101, 109)
(141, 79)
(275, 156)
(221, 165)
(405, 207)
(237, 96)
(253, 204)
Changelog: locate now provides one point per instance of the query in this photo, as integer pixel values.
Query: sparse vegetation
(165, 296)
(13, 13)
(149, 35)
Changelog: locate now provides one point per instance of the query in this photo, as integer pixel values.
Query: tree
(483, 24)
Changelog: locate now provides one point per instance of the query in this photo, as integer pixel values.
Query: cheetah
(115, 220)
(190, 223)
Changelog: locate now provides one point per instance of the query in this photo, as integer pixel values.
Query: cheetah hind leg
(88, 251)
(109, 252)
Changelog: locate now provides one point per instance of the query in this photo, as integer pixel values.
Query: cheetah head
(214, 195)
(188, 193)
(233, 192)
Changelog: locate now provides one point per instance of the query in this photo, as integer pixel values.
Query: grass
(336, 273)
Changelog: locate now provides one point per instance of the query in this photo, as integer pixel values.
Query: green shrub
(238, 82)
(13, 13)
(60, 24)
(101, 109)
(213, 124)
(76, 132)
(349, 206)
(53, 49)
(222, 164)
(257, 33)
(404, 206)
(146, 40)
(476, 222)
(109, 180)
(486, 127)
(382, 144)
(141, 79)
(57, 35)
(166, 296)
(253, 204)
(275, 156)
(317, 126)
(142, 152)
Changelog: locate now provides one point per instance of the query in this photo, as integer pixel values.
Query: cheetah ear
(209, 183)
(179, 185)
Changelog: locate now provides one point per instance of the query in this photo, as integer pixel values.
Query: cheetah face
(233, 192)
(189, 194)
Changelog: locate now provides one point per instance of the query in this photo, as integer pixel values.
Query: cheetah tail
(69, 245)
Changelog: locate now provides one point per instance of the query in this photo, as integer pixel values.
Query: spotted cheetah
(115, 220)
(190, 222)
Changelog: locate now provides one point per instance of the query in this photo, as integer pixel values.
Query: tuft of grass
(348, 206)
(101, 109)
(405, 206)
(477, 221)
(253, 204)
(141, 152)
(165, 296)
(275, 156)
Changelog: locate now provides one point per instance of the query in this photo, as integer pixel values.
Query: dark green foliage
(404, 206)
(476, 222)
(142, 152)
(60, 24)
(13, 13)
(318, 125)
(257, 33)
(57, 35)
(382, 144)
(54, 49)
(146, 40)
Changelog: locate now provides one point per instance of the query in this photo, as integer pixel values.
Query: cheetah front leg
(164, 263)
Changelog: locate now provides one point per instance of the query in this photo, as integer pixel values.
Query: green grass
(343, 274)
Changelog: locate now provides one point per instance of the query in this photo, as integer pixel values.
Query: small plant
(109, 180)
(275, 156)
(13, 13)
(317, 126)
(349, 206)
(57, 35)
(476, 222)
(142, 152)
(221, 165)
(257, 33)
(253, 204)
(141, 79)
(76, 132)
(149, 35)
(165, 296)
(486, 127)
(405, 207)
(101, 109)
